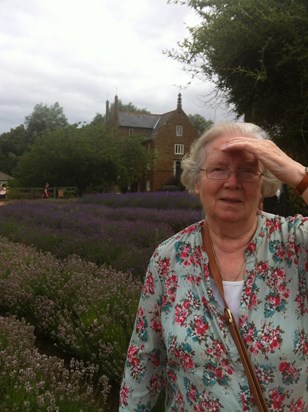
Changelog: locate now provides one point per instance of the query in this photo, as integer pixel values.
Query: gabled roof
(141, 120)
(4, 177)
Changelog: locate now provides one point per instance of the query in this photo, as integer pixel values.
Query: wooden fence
(63, 192)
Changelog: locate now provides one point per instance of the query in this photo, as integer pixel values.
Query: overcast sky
(81, 53)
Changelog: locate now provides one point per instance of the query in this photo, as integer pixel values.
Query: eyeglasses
(243, 175)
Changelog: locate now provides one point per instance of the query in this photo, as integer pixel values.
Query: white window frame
(179, 130)
(178, 149)
(130, 131)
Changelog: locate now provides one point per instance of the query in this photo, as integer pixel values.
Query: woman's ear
(197, 187)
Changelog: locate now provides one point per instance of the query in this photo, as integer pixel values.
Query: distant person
(46, 191)
(3, 192)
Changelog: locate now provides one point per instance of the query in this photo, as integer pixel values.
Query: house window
(130, 132)
(179, 149)
(177, 168)
(179, 130)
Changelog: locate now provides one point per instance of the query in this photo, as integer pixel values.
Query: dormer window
(179, 130)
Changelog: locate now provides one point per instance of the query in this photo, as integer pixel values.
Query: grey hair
(192, 162)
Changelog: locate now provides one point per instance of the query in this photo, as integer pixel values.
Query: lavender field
(71, 275)
(100, 228)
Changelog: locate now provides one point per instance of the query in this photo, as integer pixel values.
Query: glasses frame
(258, 174)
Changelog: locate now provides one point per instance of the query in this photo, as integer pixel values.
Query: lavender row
(157, 200)
(86, 312)
(121, 237)
(32, 381)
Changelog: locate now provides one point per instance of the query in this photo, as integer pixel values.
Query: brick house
(169, 135)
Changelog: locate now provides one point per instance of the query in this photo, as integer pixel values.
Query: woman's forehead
(212, 151)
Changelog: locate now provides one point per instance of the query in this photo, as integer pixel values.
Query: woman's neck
(230, 238)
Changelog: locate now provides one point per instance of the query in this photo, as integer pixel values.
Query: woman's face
(231, 199)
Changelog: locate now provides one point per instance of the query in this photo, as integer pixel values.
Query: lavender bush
(31, 381)
(121, 237)
(78, 304)
(157, 200)
(86, 311)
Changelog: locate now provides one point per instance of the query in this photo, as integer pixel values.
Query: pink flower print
(132, 355)
(186, 361)
(252, 247)
(156, 324)
(274, 300)
(255, 347)
(253, 301)
(194, 279)
(298, 406)
(154, 360)
(171, 286)
(180, 314)
(284, 291)
(140, 325)
(262, 267)
(163, 266)
(124, 395)
(201, 327)
(171, 375)
(148, 288)
(192, 394)
(132, 351)
(277, 397)
(249, 336)
(289, 373)
(284, 366)
(155, 383)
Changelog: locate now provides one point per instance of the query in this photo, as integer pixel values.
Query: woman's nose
(233, 178)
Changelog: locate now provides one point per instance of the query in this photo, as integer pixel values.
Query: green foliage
(296, 203)
(91, 158)
(12, 145)
(45, 119)
(130, 107)
(199, 122)
(15, 143)
(256, 51)
(98, 119)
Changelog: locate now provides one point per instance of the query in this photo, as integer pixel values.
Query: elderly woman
(181, 341)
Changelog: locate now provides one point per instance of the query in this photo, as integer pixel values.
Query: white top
(232, 291)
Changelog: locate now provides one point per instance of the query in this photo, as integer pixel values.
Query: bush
(30, 381)
(86, 311)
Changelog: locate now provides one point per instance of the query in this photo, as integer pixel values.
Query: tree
(45, 119)
(199, 122)
(130, 107)
(256, 52)
(98, 119)
(136, 161)
(12, 145)
(91, 158)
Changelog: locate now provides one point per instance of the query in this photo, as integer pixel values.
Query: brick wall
(164, 142)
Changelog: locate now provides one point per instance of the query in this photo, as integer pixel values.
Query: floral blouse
(182, 344)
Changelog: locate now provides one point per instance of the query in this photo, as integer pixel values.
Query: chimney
(116, 110)
(107, 111)
(179, 106)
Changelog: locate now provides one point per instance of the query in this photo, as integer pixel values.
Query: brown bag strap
(236, 335)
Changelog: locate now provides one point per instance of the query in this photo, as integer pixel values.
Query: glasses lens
(244, 175)
(217, 173)
(247, 175)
